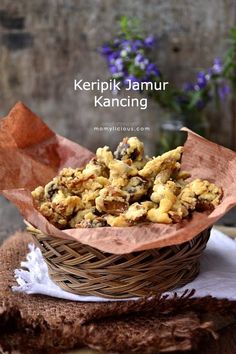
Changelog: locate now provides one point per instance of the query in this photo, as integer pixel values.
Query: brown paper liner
(31, 154)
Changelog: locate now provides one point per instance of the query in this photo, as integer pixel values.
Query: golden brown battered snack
(130, 148)
(117, 221)
(74, 181)
(196, 195)
(124, 189)
(38, 195)
(104, 155)
(97, 168)
(136, 212)
(60, 211)
(120, 172)
(112, 200)
(96, 222)
(154, 166)
(82, 215)
(137, 188)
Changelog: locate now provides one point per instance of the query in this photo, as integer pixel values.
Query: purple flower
(112, 56)
(149, 41)
(116, 42)
(136, 44)
(139, 58)
(217, 66)
(126, 44)
(105, 49)
(151, 69)
(113, 69)
(223, 90)
(119, 64)
(201, 80)
(209, 74)
(131, 45)
(141, 61)
(116, 67)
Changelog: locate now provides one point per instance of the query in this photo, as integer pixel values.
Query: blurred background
(45, 45)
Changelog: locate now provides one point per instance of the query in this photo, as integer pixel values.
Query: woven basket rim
(84, 270)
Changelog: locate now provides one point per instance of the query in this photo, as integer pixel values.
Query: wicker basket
(84, 270)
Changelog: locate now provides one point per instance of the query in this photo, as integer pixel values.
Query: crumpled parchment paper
(31, 154)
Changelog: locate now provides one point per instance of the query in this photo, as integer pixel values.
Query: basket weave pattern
(84, 270)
